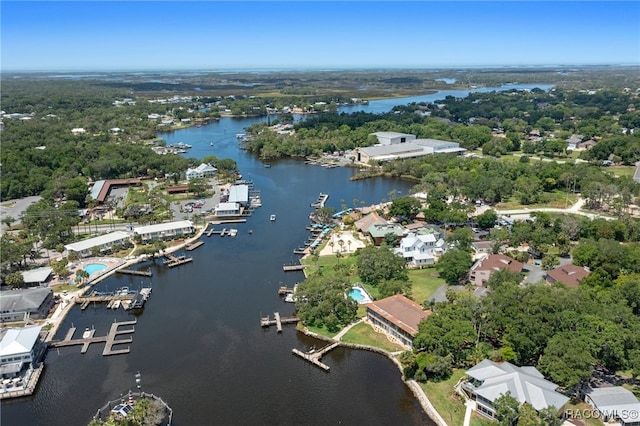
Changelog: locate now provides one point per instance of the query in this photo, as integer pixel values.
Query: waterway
(198, 343)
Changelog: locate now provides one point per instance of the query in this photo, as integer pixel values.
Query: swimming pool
(359, 295)
(92, 268)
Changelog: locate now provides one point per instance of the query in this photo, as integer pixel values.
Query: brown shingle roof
(401, 311)
(115, 182)
(499, 261)
(568, 274)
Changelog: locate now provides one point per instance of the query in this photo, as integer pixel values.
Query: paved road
(15, 208)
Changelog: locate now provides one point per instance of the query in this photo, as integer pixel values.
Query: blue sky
(210, 35)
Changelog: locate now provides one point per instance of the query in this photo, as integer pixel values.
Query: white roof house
(227, 209)
(202, 171)
(420, 249)
(37, 276)
(165, 230)
(18, 343)
(491, 380)
(615, 403)
(104, 242)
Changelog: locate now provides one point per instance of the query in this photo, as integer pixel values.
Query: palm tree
(349, 243)
(331, 243)
(341, 243)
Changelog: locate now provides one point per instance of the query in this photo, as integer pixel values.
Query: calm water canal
(198, 343)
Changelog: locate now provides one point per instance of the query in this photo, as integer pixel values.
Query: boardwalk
(319, 203)
(109, 339)
(314, 356)
(86, 300)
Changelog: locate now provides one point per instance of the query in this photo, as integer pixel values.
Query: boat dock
(314, 356)
(284, 290)
(176, 261)
(194, 245)
(134, 272)
(288, 268)
(319, 203)
(109, 339)
(108, 298)
(277, 321)
(222, 221)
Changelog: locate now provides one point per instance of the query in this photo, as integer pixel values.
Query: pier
(109, 339)
(319, 203)
(194, 245)
(222, 221)
(277, 321)
(288, 268)
(102, 298)
(176, 261)
(134, 272)
(284, 290)
(314, 356)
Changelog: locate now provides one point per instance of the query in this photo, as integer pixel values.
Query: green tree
(376, 264)
(14, 280)
(487, 219)
(506, 408)
(406, 207)
(454, 265)
(567, 359)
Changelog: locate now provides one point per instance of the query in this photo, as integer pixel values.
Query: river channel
(198, 343)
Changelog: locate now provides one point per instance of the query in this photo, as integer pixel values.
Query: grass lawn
(424, 282)
(322, 331)
(363, 334)
(621, 170)
(326, 263)
(448, 403)
(555, 199)
(585, 408)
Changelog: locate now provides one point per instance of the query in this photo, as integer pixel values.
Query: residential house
(489, 380)
(20, 350)
(379, 231)
(78, 131)
(420, 249)
(573, 141)
(485, 266)
(569, 275)
(37, 277)
(615, 404)
(369, 220)
(586, 145)
(102, 243)
(204, 170)
(228, 209)
(165, 230)
(398, 317)
(18, 305)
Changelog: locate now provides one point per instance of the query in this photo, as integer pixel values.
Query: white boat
(87, 333)
(233, 232)
(272, 218)
(289, 298)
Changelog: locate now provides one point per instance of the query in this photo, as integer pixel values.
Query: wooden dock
(284, 290)
(86, 300)
(194, 245)
(319, 203)
(109, 339)
(176, 261)
(277, 321)
(314, 356)
(288, 268)
(134, 272)
(221, 221)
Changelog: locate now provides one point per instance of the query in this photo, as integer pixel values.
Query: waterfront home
(103, 243)
(20, 350)
(227, 209)
(420, 249)
(615, 404)
(398, 317)
(162, 231)
(485, 266)
(22, 304)
(488, 381)
(569, 275)
(204, 170)
(37, 277)
(379, 231)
